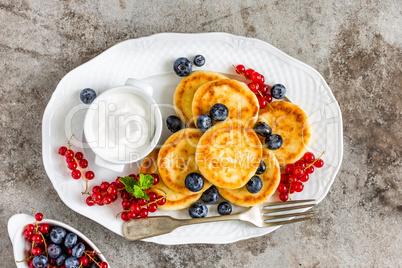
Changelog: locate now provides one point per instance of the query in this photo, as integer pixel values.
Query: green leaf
(129, 183)
(145, 181)
(139, 193)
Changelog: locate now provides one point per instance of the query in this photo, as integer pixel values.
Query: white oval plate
(16, 227)
(151, 59)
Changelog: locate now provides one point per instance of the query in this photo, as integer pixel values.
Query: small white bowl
(21, 247)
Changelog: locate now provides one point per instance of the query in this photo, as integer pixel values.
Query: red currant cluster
(106, 193)
(38, 235)
(257, 85)
(296, 174)
(76, 163)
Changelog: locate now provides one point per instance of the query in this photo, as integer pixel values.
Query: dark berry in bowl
(40, 261)
(54, 251)
(254, 185)
(204, 122)
(174, 123)
(57, 234)
(210, 195)
(274, 142)
(87, 95)
(198, 210)
(182, 67)
(70, 241)
(224, 208)
(60, 260)
(278, 91)
(72, 262)
(262, 129)
(261, 168)
(219, 112)
(199, 60)
(194, 182)
(78, 250)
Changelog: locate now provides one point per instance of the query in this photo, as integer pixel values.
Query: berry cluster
(53, 247)
(133, 206)
(264, 92)
(183, 66)
(76, 163)
(296, 174)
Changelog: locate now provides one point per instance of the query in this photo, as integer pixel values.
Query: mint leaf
(145, 181)
(129, 183)
(139, 193)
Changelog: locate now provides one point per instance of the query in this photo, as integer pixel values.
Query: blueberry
(254, 185)
(262, 129)
(274, 142)
(57, 234)
(199, 60)
(219, 112)
(174, 123)
(60, 260)
(70, 241)
(261, 168)
(224, 208)
(78, 250)
(204, 122)
(94, 265)
(40, 261)
(198, 210)
(278, 91)
(72, 262)
(54, 251)
(210, 196)
(87, 95)
(194, 182)
(182, 66)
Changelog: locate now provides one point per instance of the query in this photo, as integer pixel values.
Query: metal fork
(257, 215)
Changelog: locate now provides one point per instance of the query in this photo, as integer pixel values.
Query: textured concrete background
(356, 45)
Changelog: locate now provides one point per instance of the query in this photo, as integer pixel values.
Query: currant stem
(44, 241)
(314, 161)
(89, 256)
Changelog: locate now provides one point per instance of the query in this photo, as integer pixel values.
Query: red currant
(248, 72)
(119, 184)
(36, 251)
(240, 69)
(70, 160)
(90, 201)
(107, 199)
(89, 175)
(291, 189)
(76, 174)
(300, 163)
(125, 204)
(283, 197)
(79, 155)
(28, 234)
(124, 216)
(298, 172)
(72, 165)
(285, 178)
(143, 213)
(162, 201)
(83, 163)
(289, 168)
(156, 178)
(292, 179)
(269, 98)
(263, 89)
(103, 265)
(309, 170)
(131, 215)
(256, 77)
(254, 86)
(309, 157)
(305, 177)
(83, 260)
(319, 163)
(36, 238)
(142, 202)
(262, 102)
(96, 189)
(298, 186)
(135, 208)
(124, 194)
(104, 185)
(30, 227)
(69, 154)
(30, 265)
(39, 216)
(282, 188)
(62, 150)
(152, 196)
(152, 207)
(44, 228)
(112, 190)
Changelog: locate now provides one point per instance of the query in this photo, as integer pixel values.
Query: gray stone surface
(356, 45)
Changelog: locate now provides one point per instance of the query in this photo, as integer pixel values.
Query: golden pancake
(228, 154)
(184, 94)
(176, 160)
(236, 96)
(270, 181)
(174, 200)
(289, 121)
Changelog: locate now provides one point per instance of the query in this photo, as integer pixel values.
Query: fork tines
(288, 206)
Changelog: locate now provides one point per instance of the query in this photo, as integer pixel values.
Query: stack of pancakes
(228, 154)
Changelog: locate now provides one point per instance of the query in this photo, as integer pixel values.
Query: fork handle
(147, 227)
